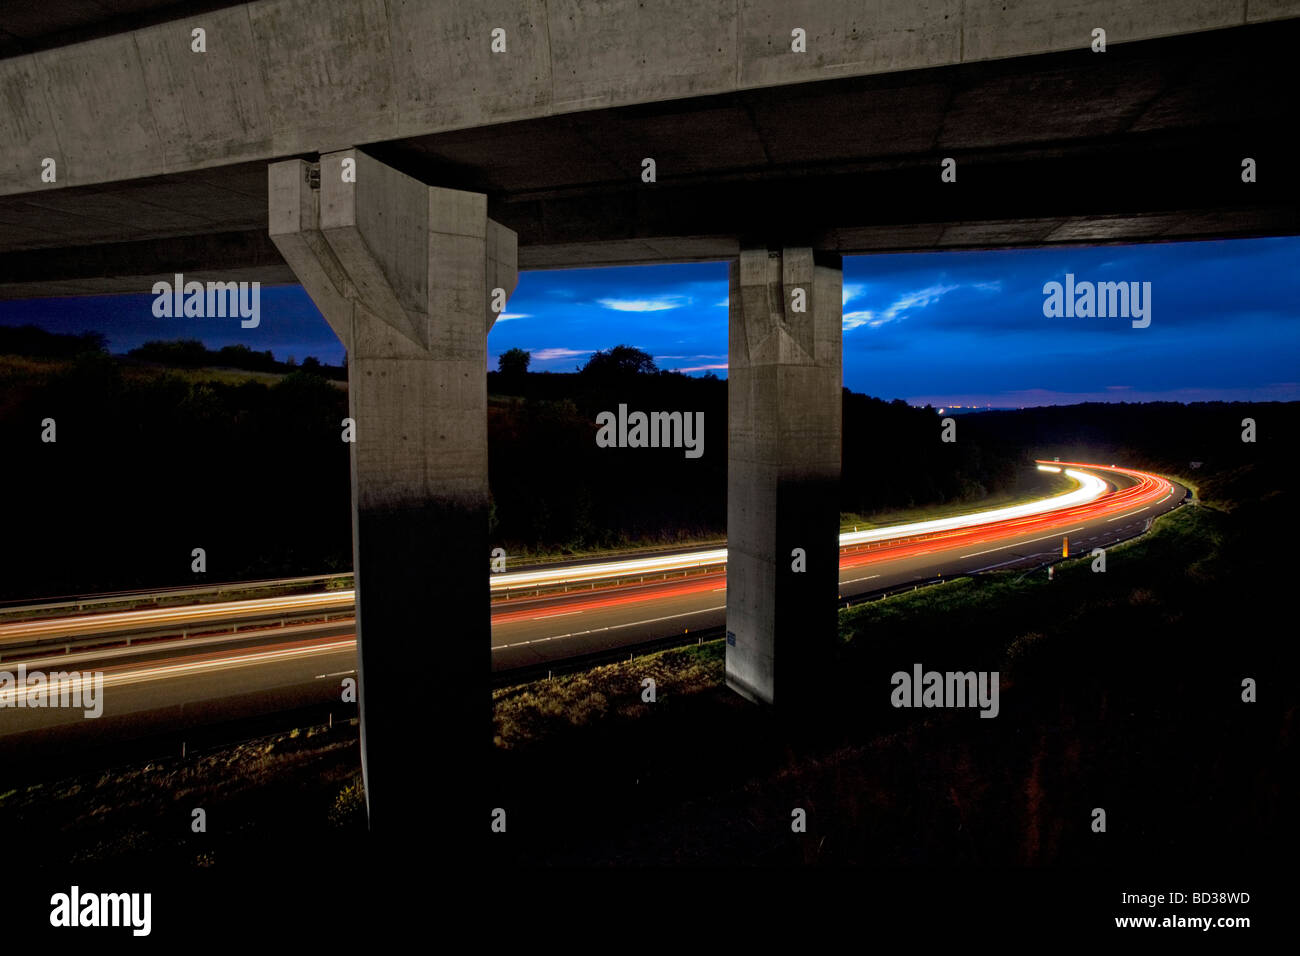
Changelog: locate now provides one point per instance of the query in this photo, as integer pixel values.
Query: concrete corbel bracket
(294, 227)
(774, 334)
(797, 273)
(759, 320)
(502, 265)
(374, 219)
(368, 241)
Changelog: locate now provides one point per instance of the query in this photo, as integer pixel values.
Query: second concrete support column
(783, 470)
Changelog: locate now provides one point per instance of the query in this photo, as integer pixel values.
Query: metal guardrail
(21, 648)
(9, 650)
(13, 648)
(110, 598)
(613, 580)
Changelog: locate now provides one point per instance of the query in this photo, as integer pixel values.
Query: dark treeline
(147, 467)
(1162, 436)
(894, 458)
(191, 353)
(34, 342)
(554, 488)
(150, 464)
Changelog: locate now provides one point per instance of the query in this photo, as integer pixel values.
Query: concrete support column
(783, 470)
(404, 273)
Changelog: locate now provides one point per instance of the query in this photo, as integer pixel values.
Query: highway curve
(162, 684)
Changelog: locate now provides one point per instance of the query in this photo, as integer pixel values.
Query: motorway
(185, 665)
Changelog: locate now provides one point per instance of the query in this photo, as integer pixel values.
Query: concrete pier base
(404, 273)
(784, 438)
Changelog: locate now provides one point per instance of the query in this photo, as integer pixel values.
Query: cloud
(898, 309)
(659, 304)
(548, 355)
(507, 316)
(853, 320)
(725, 303)
(701, 368)
(918, 299)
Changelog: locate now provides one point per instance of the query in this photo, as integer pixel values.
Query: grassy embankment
(285, 788)
(530, 713)
(17, 369)
(1121, 690)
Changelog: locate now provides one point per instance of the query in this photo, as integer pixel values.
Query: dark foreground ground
(1120, 691)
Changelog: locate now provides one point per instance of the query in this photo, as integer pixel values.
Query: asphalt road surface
(164, 685)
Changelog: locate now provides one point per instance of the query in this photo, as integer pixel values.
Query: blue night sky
(945, 328)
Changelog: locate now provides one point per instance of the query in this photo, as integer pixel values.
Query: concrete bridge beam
(783, 470)
(404, 273)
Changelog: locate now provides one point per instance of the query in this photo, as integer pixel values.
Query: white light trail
(1090, 488)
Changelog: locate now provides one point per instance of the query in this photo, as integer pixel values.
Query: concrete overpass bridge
(471, 163)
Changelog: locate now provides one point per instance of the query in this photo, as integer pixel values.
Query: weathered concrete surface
(30, 27)
(1142, 143)
(282, 77)
(784, 434)
(404, 274)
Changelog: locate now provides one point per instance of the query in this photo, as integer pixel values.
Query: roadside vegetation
(1120, 689)
(297, 787)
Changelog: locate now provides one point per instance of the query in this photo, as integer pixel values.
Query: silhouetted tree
(182, 353)
(241, 356)
(34, 341)
(619, 361)
(513, 363)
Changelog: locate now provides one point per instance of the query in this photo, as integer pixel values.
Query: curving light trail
(1090, 488)
(1091, 500)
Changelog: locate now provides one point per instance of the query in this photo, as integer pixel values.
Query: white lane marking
(561, 614)
(856, 580)
(1058, 534)
(990, 567)
(716, 590)
(336, 674)
(612, 627)
(1117, 517)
